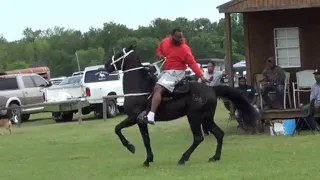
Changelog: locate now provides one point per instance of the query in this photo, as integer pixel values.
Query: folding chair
(305, 119)
(258, 80)
(305, 79)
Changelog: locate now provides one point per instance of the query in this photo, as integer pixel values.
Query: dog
(6, 123)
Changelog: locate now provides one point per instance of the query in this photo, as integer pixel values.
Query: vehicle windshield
(8, 83)
(100, 76)
(71, 80)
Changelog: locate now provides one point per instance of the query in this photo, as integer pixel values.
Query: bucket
(289, 126)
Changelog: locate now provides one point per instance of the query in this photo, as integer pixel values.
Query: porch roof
(240, 6)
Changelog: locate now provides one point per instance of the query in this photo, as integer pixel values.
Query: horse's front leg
(129, 121)
(146, 141)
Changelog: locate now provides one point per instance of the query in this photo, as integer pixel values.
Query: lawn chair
(287, 94)
(305, 119)
(305, 79)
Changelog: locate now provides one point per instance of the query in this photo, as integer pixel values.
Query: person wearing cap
(273, 80)
(315, 94)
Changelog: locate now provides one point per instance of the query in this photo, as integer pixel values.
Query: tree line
(56, 47)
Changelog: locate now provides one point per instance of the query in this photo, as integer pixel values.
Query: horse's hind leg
(146, 141)
(195, 125)
(219, 134)
(129, 121)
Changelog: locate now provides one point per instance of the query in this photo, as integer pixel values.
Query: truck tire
(25, 117)
(112, 109)
(59, 117)
(12, 112)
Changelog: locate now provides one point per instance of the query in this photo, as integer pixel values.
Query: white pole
(78, 62)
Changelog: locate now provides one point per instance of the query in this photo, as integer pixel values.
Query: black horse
(195, 100)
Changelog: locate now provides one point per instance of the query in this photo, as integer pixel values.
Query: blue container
(289, 126)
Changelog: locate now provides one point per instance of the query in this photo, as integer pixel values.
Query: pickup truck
(69, 88)
(21, 89)
(92, 86)
(98, 83)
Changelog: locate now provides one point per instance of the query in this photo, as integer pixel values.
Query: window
(39, 81)
(27, 81)
(287, 47)
(71, 80)
(100, 76)
(8, 83)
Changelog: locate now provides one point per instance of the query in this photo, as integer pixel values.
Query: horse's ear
(132, 47)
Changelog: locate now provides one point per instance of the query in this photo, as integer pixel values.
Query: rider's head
(210, 67)
(176, 36)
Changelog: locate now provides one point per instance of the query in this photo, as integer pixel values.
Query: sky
(16, 15)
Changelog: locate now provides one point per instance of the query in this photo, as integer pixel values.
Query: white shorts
(169, 78)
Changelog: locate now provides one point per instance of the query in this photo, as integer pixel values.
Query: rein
(125, 54)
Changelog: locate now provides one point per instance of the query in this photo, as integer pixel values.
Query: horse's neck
(136, 82)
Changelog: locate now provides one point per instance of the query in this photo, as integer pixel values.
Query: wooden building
(289, 30)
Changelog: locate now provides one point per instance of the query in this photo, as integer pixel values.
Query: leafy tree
(56, 47)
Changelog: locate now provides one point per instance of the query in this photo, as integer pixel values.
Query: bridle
(123, 57)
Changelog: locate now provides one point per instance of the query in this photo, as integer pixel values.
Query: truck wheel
(56, 116)
(59, 117)
(112, 109)
(25, 117)
(67, 116)
(12, 113)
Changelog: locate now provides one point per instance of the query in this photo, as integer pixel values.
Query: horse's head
(120, 60)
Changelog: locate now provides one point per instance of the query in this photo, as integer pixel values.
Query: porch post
(228, 59)
(229, 50)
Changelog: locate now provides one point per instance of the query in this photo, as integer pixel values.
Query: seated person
(315, 94)
(273, 80)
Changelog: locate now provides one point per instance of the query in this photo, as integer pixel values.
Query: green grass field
(43, 150)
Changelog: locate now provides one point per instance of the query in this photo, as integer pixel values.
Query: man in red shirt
(178, 55)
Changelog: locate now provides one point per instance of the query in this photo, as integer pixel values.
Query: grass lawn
(43, 150)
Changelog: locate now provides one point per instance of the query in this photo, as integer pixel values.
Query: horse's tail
(239, 101)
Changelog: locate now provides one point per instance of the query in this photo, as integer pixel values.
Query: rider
(178, 55)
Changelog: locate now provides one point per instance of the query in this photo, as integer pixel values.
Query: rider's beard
(176, 42)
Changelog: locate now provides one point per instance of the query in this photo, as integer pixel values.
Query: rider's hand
(204, 80)
(161, 57)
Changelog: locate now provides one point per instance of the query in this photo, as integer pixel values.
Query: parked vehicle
(71, 80)
(98, 83)
(68, 90)
(91, 86)
(77, 73)
(21, 89)
(42, 71)
(57, 80)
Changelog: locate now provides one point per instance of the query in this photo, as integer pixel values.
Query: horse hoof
(181, 163)
(213, 159)
(146, 164)
(131, 148)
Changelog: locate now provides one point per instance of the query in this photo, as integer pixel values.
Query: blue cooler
(289, 126)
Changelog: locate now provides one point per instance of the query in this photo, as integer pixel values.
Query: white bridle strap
(125, 54)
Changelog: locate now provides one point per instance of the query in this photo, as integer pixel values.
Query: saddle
(181, 88)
